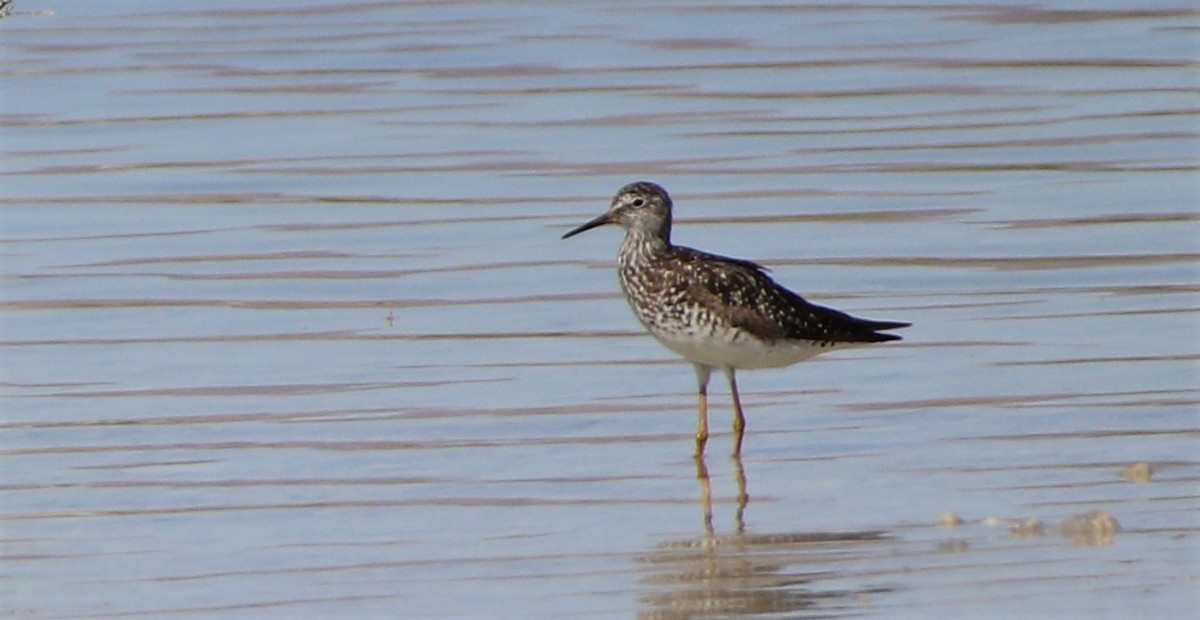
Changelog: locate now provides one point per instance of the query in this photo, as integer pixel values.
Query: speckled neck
(640, 246)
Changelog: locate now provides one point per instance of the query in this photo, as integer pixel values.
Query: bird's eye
(639, 202)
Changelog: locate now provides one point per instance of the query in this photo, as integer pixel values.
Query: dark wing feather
(741, 291)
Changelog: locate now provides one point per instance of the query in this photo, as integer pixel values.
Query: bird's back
(683, 289)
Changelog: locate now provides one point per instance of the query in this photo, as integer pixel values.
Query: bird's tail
(877, 327)
(883, 326)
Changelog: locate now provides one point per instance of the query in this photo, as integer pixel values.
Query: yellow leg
(702, 374)
(739, 419)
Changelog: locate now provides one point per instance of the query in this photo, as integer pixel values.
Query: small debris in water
(954, 545)
(1097, 527)
(949, 519)
(993, 522)
(1138, 472)
(1026, 528)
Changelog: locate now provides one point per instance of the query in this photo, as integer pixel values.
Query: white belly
(722, 350)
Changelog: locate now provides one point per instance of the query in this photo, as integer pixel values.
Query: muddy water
(287, 329)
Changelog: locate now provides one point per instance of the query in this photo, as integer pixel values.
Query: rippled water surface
(288, 329)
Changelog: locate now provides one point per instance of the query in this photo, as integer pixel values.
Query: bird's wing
(741, 291)
(731, 288)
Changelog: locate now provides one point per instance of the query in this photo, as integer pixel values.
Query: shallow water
(288, 330)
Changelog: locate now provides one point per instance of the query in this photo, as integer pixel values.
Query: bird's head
(641, 207)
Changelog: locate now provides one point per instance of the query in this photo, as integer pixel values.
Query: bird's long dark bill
(600, 221)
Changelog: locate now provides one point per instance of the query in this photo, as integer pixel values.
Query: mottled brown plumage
(718, 312)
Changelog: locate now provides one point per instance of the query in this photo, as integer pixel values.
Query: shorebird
(716, 312)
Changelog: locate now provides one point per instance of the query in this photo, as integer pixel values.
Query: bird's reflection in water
(742, 574)
(706, 495)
